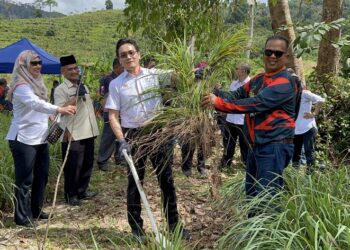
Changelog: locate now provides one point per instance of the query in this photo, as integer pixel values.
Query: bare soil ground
(103, 219)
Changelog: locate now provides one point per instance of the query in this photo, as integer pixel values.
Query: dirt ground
(100, 221)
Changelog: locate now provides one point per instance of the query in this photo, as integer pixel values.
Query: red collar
(273, 73)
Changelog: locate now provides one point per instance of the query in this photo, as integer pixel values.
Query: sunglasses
(130, 53)
(36, 63)
(277, 53)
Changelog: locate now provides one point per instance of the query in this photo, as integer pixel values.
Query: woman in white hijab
(27, 134)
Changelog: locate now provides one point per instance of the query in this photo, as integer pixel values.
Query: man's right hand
(67, 110)
(122, 144)
(208, 100)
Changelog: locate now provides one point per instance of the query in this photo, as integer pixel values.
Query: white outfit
(134, 96)
(30, 116)
(237, 118)
(303, 125)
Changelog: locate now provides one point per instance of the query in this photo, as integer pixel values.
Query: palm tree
(50, 3)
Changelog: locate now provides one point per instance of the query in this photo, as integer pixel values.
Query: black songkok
(66, 60)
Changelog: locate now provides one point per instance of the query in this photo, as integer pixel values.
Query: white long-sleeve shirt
(30, 116)
(303, 125)
(237, 118)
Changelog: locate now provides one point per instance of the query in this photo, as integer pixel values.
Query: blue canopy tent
(8, 55)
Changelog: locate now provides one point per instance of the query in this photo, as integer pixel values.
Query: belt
(283, 141)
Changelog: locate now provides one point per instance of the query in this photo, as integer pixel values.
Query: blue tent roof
(8, 56)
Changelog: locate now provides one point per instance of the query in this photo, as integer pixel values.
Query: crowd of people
(261, 112)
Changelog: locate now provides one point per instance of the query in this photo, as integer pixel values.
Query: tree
(328, 54)
(109, 5)
(169, 19)
(38, 5)
(281, 23)
(251, 4)
(50, 4)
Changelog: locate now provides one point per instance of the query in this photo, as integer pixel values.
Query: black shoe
(87, 195)
(73, 201)
(41, 216)
(187, 172)
(202, 172)
(139, 234)
(104, 167)
(185, 234)
(28, 224)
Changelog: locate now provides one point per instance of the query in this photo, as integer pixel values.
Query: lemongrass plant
(185, 119)
(311, 212)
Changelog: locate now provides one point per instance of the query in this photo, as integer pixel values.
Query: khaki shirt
(83, 124)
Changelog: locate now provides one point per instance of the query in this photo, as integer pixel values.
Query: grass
(87, 35)
(6, 170)
(312, 212)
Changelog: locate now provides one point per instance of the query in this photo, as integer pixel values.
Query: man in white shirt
(233, 127)
(306, 129)
(131, 98)
(81, 129)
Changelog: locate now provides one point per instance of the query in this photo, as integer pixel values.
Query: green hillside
(88, 36)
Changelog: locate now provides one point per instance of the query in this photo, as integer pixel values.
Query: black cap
(66, 60)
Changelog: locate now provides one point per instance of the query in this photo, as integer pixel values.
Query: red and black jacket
(270, 101)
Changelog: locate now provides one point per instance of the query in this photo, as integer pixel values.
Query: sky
(68, 7)
(78, 6)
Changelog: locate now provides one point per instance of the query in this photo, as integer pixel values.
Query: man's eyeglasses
(277, 53)
(130, 53)
(35, 63)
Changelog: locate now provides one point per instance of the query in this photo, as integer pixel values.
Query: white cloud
(77, 6)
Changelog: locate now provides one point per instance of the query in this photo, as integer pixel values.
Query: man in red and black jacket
(270, 101)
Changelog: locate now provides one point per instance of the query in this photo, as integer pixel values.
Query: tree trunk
(328, 56)
(251, 27)
(280, 16)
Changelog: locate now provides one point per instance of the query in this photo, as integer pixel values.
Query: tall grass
(312, 212)
(7, 172)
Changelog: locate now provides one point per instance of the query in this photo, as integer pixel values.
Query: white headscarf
(21, 75)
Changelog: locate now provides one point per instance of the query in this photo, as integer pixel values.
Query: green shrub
(334, 119)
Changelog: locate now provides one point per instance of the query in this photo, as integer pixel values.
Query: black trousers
(187, 153)
(31, 174)
(231, 133)
(162, 162)
(308, 140)
(78, 168)
(107, 143)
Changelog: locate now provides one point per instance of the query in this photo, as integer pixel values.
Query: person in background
(27, 135)
(306, 129)
(80, 129)
(55, 83)
(4, 104)
(188, 148)
(107, 143)
(127, 99)
(271, 102)
(233, 126)
(150, 63)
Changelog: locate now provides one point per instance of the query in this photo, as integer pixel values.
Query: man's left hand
(308, 115)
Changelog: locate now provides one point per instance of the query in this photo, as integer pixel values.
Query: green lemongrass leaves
(313, 213)
(184, 118)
